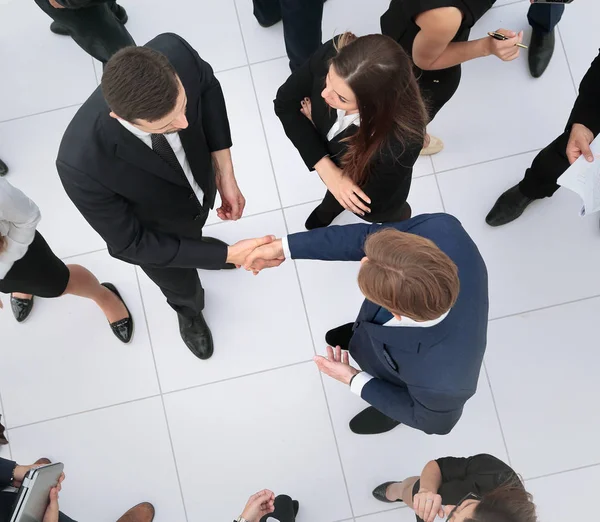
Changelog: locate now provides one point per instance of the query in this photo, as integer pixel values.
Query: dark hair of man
(508, 503)
(139, 83)
(380, 74)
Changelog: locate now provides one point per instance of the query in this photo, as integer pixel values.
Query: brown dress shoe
(143, 512)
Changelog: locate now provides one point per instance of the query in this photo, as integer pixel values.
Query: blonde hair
(408, 275)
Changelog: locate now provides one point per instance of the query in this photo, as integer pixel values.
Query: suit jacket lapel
(131, 149)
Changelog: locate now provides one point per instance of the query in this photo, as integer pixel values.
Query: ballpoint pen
(500, 36)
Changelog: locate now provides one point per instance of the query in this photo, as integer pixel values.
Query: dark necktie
(161, 146)
(382, 316)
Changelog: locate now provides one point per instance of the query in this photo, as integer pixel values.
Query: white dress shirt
(361, 379)
(18, 218)
(175, 142)
(342, 123)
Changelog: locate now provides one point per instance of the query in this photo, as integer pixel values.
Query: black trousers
(437, 87)
(95, 29)
(550, 163)
(181, 287)
(284, 510)
(545, 16)
(301, 25)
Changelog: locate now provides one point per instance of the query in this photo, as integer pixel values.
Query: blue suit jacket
(424, 376)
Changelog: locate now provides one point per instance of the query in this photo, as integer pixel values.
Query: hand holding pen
(505, 44)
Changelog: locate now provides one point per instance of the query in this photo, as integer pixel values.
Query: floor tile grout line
(260, 116)
(249, 64)
(5, 423)
(296, 270)
(84, 253)
(170, 392)
(95, 73)
(83, 412)
(541, 308)
(382, 511)
(41, 112)
(487, 375)
(579, 468)
(562, 43)
(162, 398)
(514, 155)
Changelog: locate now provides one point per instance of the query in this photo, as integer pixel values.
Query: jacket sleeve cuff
(286, 247)
(359, 381)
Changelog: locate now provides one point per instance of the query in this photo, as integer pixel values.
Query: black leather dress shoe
(340, 336)
(320, 218)
(21, 308)
(120, 13)
(3, 168)
(196, 336)
(123, 329)
(541, 49)
(508, 207)
(379, 492)
(215, 241)
(58, 28)
(371, 421)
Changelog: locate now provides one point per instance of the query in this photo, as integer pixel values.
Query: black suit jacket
(144, 210)
(587, 106)
(391, 170)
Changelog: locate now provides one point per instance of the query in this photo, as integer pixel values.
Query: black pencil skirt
(39, 272)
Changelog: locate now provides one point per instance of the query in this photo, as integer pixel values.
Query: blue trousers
(301, 25)
(545, 16)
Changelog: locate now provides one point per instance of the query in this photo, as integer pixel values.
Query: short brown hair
(2, 244)
(508, 503)
(408, 275)
(140, 84)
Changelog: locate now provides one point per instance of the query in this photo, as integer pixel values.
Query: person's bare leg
(18, 295)
(84, 284)
(402, 491)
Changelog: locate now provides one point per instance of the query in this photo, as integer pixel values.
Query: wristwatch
(240, 519)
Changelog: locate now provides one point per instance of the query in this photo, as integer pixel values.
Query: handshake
(256, 254)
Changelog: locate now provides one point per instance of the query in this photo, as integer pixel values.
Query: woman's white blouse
(18, 218)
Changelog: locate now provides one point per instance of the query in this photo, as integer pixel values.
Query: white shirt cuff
(286, 247)
(359, 381)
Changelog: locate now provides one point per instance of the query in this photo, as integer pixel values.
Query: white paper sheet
(583, 178)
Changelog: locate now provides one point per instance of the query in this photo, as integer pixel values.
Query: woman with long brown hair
(355, 115)
(481, 488)
(29, 268)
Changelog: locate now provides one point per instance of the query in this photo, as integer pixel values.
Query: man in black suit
(301, 25)
(97, 26)
(540, 180)
(143, 159)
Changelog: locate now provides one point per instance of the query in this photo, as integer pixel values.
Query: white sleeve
(20, 213)
(359, 381)
(286, 247)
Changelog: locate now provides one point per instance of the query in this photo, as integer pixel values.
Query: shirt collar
(408, 322)
(133, 129)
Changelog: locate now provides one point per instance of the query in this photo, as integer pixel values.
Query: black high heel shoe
(21, 308)
(123, 328)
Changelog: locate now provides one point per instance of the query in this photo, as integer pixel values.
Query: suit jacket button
(192, 196)
(197, 217)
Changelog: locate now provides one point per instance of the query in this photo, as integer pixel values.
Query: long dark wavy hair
(380, 74)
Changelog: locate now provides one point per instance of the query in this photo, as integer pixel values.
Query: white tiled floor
(148, 421)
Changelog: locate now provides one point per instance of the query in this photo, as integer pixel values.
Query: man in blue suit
(420, 335)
